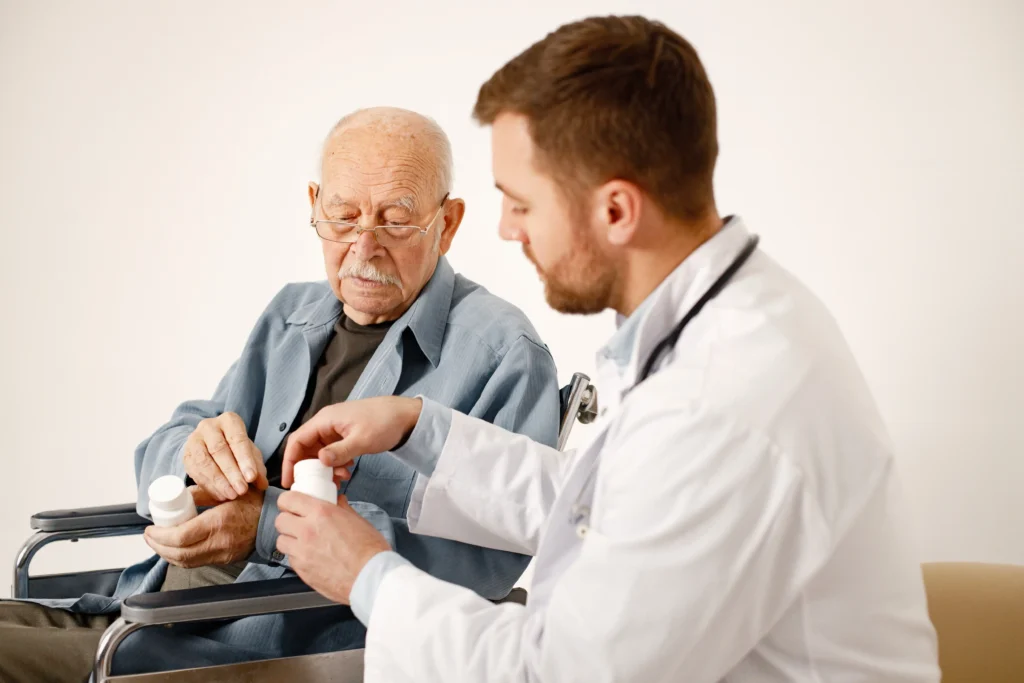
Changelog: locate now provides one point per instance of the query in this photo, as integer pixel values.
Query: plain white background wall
(154, 159)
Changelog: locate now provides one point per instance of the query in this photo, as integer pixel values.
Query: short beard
(583, 281)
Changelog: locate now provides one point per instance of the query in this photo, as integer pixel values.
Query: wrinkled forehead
(372, 165)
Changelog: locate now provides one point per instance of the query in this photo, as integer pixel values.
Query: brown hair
(615, 98)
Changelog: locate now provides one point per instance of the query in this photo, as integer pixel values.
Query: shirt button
(582, 530)
(283, 426)
(276, 556)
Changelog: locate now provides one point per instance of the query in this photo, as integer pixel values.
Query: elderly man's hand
(221, 535)
(327, 545)
(340, 433)
(220, 457)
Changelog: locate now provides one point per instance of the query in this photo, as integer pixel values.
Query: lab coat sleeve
(704, 533)
(489, 488)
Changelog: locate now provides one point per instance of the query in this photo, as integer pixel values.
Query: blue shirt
(457, 344)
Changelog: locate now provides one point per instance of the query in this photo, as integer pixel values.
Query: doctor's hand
(327, 545)
(220, 457)
(340, 433)
(221, 535)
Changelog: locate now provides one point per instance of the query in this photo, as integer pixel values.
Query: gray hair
(437, 141)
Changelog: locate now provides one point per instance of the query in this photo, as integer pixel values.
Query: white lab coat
(735, 518)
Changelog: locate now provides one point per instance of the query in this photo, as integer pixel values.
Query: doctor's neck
(656, 251)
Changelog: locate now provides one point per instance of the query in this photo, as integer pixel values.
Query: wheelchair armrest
(107, 516)
(224, 602)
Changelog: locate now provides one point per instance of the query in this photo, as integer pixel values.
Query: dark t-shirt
(335, 375)
(332, 380)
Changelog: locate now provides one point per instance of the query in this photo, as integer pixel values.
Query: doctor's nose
(510, 230)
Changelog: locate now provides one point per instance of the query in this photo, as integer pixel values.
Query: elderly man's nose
(366, 242)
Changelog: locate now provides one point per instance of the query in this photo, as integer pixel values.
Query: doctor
(735, 518)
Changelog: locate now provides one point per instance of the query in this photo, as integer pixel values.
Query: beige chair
(978, 612)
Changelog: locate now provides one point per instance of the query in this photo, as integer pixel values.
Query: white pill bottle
(170, 503)
(316, 479)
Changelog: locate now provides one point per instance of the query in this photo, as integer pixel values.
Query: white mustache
(366, 271)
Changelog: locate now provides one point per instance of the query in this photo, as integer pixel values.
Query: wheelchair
(577, 402)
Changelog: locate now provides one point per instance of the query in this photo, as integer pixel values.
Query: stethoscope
(579, 512)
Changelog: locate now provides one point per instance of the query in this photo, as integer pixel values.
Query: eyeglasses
(386, 235)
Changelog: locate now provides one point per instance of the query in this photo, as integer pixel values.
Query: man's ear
(619, 206)
(313, 190)
(453, 214)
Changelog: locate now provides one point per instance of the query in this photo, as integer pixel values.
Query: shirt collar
(637, 334)
(620, 347)
(427, 317)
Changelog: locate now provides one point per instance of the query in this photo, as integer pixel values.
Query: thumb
(340, 453)
(202, 497)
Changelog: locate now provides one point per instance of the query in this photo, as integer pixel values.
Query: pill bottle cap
(169, 493)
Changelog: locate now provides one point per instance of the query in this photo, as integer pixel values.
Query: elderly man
(392, 318)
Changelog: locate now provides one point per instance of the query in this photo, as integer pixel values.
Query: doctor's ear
(313, 190)
(619, 205)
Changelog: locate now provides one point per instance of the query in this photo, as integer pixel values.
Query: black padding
(107, 516)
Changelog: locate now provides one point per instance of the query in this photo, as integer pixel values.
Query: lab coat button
(582, 530)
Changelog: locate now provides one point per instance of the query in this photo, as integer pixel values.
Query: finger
(198, 463)
(262, 482)
(207, 472)
(288, 524)
(341, 474)
(302, 444)
(202, 497)
(193, 531)
(219, 448)
(246, 454)
(288, 546)
(323, 429)
(288, 465)
(341, 453)
(193, 556)
(175, 556)
(299, 504)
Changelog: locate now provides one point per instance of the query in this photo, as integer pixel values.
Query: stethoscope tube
(669, 340)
